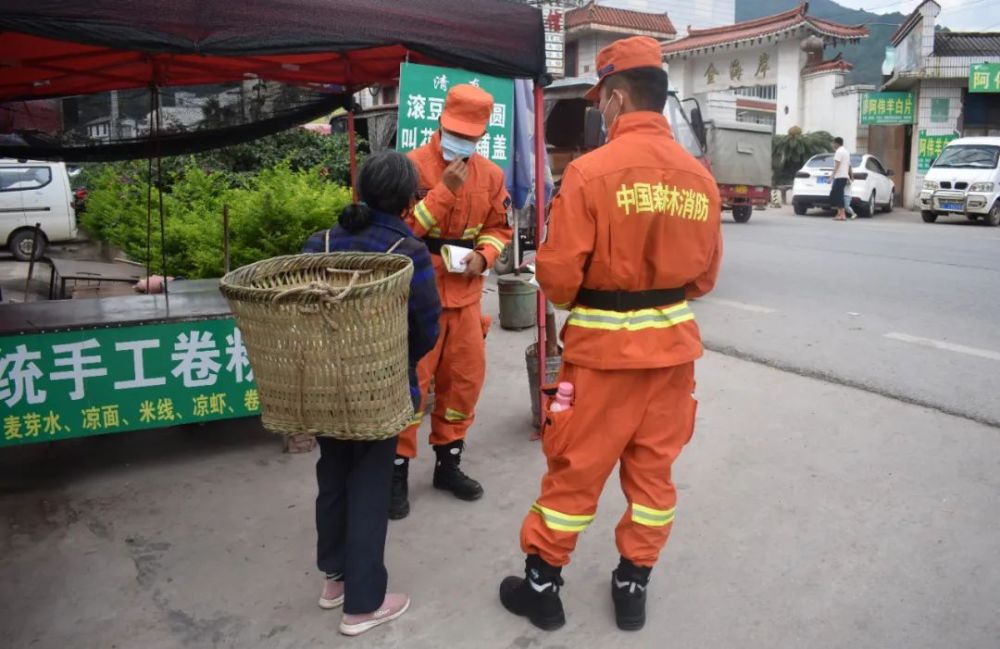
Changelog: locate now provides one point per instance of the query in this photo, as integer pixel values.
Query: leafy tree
(789, 152)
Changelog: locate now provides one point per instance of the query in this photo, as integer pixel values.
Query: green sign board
(422, 91)
(984, 77)
(95, 381)
(930, 147)
(887, 108)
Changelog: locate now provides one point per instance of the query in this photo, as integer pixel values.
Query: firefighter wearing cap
(633, 234)
(463, 203)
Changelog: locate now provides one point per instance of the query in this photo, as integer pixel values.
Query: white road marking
(940, 344)
(753, 308)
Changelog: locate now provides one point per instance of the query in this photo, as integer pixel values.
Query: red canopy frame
(77, 47)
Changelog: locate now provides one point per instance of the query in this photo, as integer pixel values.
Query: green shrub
(279, 189)
(270, 213)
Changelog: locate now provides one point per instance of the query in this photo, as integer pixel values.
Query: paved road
(890, 304)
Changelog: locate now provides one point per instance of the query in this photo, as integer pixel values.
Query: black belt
(434, 245)
(629, 300)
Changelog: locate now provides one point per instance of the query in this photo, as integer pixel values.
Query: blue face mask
(454, 147)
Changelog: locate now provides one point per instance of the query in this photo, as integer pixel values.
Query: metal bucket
(518, 302)
(552, 366)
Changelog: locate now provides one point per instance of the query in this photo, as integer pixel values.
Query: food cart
(75, 368)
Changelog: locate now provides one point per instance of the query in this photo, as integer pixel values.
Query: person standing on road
(840, 194)
(355, 478)
(464, 203)
(634, 233)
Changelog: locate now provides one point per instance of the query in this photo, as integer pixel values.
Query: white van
(964, 180)
(35, 192)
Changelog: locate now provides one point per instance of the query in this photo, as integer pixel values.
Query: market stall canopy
(317, 48)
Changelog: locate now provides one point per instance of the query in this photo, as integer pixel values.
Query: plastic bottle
(564, 398)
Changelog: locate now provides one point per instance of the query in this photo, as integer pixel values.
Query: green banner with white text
(422, 91)
(95, 381)
(887, 108)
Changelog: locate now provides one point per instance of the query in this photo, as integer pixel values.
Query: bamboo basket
(326, 335)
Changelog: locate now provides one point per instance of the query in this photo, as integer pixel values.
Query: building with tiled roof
(934, 69)
(788, 24)
(769, 70)
(592, 26)
(623, 21)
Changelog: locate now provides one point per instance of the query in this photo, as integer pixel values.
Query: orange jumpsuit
(457, 364)
(637, 214)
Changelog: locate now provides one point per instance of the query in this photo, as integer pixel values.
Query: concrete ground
(811, 514)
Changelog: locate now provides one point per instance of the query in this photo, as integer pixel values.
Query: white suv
(964, 180)
(35, 192)
(872, 189)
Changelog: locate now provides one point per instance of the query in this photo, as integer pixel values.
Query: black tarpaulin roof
(51, 49)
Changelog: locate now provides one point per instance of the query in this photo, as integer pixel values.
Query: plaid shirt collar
(391, 222)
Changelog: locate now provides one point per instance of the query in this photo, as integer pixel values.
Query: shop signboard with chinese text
(930, 147)
(755, 70)
(554, 19)
(94, 381)
(887, 108)
(422, 91)
(984, 77)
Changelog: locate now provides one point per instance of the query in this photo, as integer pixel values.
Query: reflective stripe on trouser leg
(562, 522)
(646, 464)
(582, 448)
(651, 517)
(460, 374)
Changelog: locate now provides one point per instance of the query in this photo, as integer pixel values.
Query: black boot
(399, 505)
(449, 477)
(628, 590)
(536, 595)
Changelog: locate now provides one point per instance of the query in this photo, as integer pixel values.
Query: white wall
(789, 70)
(928, 90)
(819, 111)
(699, 14)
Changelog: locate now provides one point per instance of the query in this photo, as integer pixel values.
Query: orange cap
(628, 53)
(467, 110)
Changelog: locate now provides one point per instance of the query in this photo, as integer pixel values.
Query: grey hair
(387, 182)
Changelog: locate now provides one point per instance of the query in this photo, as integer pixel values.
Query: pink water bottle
(564, 398)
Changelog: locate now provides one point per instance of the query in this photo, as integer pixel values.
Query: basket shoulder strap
(326, 241)
(395, 245)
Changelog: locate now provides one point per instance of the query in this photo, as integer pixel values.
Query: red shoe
(394, 605)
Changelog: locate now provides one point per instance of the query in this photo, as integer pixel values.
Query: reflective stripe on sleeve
(486, 240)
(652, 517)
(424, 216)
(630, 320)
(561, 522)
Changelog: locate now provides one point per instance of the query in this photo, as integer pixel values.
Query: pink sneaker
(395, 604)
(333, 595)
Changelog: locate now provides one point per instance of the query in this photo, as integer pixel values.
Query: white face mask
(454, 147)
(608, 123)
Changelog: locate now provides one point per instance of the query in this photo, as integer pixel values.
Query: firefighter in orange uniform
(464, 203)
(634, 233)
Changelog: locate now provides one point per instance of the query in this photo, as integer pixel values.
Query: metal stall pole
(539, 229)
(352, 144)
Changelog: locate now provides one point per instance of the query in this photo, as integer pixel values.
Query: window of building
(390, 94)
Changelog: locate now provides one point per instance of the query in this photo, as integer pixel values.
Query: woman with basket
(355, 477)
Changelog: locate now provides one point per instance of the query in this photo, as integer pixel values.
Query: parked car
(872, 189)
(35, 192)
(964, 180)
